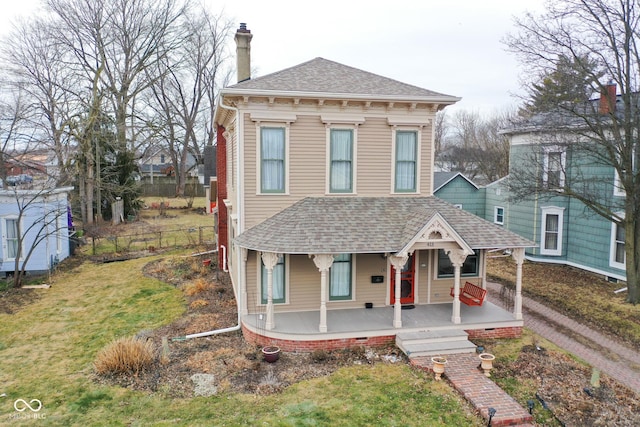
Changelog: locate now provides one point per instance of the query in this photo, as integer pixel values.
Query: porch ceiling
(329, 225)
(378, 321)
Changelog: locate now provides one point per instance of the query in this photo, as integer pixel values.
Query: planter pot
(271, 353)
(206, 262)
(438, 366)
(486, 363)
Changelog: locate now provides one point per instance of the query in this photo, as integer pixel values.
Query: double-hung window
(341, 166)
(554, 168)
(617, 258)
(340, 278)
(278, 282)
(498, 217)
(11, 238)
(406, 159)
(272, 159)
(551, 233)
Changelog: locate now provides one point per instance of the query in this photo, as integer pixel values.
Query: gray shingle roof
(323, 76)
(317, 225)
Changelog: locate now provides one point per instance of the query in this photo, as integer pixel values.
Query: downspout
(224, 268)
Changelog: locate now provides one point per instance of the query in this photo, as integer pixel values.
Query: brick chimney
(243, 52)
(608, 99)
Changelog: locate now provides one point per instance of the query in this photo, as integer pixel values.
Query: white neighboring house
(42, 218)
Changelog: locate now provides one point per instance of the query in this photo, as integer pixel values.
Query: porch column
(270, 259)
(324, 263)
(457, 257)
(518, 256)
(398, 262)
(244, 309)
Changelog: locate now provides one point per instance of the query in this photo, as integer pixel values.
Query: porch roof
(330, 225)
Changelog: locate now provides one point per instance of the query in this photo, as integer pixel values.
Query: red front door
(406, 282)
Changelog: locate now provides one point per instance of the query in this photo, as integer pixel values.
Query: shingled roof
(317, 225)
(323, 76)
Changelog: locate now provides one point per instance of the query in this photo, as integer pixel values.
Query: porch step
(433, 343)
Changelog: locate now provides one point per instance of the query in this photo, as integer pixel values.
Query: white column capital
(457, 256)
(398, 261)
(270, 259)
(323, 261)
(518, 255)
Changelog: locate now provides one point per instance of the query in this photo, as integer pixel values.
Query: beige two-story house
(327, 222)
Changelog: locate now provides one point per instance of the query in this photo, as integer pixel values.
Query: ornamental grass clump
(125, 356)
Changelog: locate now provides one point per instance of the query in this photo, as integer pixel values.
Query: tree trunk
(632, 249)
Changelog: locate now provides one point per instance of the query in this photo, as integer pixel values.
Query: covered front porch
(364, 324)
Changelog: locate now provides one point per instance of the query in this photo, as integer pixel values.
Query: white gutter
(224, 268)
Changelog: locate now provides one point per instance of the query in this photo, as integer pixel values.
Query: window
(469, 267)
(341, 155)
(278, 282)
(11, 238)
(498, 215)
(406, 161)
(553, 175)
(340, 278)
(617, 257)
(551, 234)
(272, 160)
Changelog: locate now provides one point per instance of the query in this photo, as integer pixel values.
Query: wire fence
(152, 240)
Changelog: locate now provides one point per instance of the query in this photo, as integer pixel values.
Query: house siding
(460, 191)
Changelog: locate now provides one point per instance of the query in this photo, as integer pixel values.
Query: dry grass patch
(199, 286)
(125, 356)
(581, 295)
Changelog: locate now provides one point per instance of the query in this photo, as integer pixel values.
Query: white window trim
(287, 265)
(545, 168)
(612, 247)
(353, 284)
(354, 159)
(551, 210)
(5, 246)
(495, 215)
(617, 188)
(418, 131)
(286, 126)
(458, 205)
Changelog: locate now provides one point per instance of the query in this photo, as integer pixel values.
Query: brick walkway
(618, 361)
(463, 373)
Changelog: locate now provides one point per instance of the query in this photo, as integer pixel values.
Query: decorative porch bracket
(324, 263)
(518, 256)
(270, 259)
(398, 262)
(457, 257)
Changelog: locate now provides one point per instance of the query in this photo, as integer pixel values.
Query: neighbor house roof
(317, 225)
(321, 76)
(442, 178)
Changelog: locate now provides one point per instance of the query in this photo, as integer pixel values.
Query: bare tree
(593, 38)
(187, 77)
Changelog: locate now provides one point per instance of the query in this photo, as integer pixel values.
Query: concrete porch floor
(378, 321)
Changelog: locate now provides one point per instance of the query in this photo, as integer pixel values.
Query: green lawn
(48, 347)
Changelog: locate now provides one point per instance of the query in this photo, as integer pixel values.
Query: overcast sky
(452, 47)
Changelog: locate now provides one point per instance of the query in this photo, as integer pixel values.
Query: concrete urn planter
(486, 363)
(438, 366)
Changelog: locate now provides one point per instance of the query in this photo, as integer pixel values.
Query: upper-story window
(551, 232)
(341, 154)
(554, 168)
(406, 162)
(498, 215)
(272, 159)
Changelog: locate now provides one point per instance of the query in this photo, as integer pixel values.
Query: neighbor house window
(340, 278)
(272, 160)
(278, 282)
(11, 238)
(554, 165)
(341, 166)
(617, 257)
(406, 167)
(470, 267)
(551, 233)
(498, 216)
